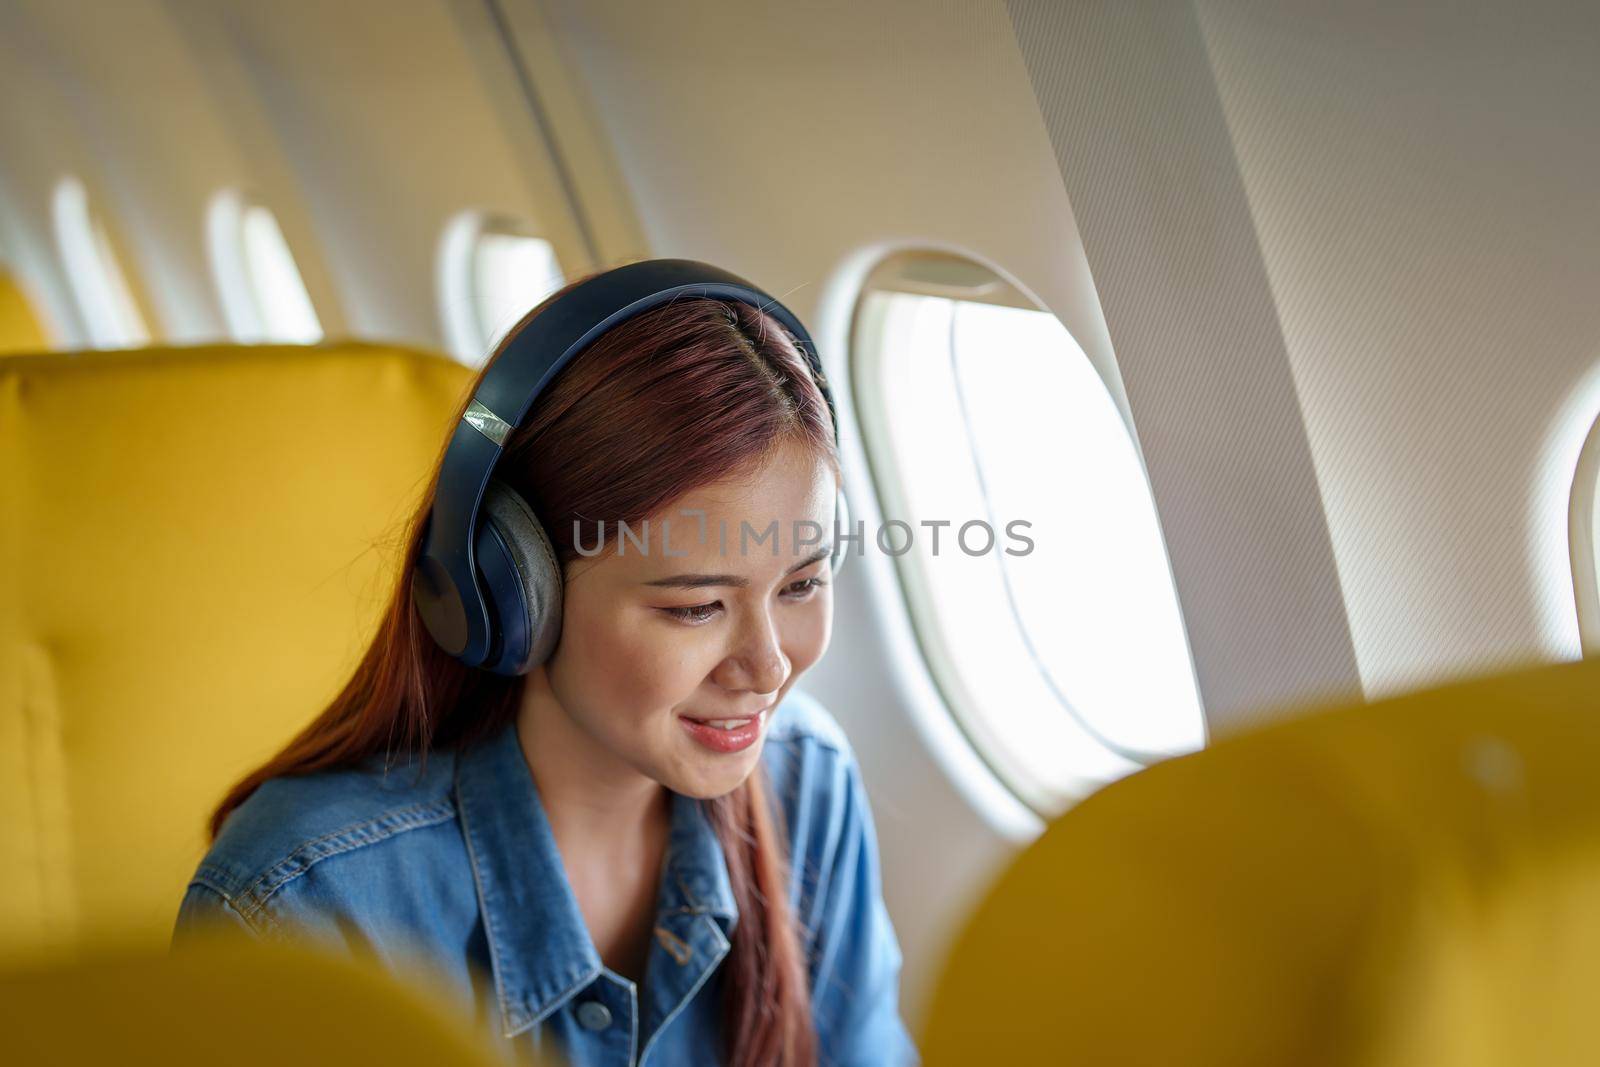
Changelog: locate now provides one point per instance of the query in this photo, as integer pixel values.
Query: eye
(696, 614)
(806, 586)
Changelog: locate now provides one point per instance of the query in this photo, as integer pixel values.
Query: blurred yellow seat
(195, 544)
(230, 1001)
(1413, 882)
(20, 328)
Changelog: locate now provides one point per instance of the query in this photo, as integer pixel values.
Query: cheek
(806, 636)
(628, 666)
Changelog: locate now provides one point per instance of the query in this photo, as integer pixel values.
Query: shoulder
(802, 721)
(813, 772)
(291, 824)
(817, 782)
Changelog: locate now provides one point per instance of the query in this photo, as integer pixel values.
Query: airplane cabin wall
(1423, 182)
(384, 116)
(364, 127)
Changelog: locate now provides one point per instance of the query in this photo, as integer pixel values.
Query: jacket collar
(539, 946)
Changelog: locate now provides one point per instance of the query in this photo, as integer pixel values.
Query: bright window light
(1066, 663)
(1584, 536)
(1594, 550)
(105, 299)
(493, 270)
(263, 294)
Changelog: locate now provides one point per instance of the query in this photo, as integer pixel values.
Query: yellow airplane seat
(20, 328)
(231, 1001)
(1409, 883)
(195, 545)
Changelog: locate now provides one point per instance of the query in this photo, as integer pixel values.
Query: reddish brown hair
(666, 402)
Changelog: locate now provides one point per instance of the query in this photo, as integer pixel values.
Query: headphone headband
(446, 587)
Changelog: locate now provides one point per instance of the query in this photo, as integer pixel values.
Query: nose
(756, 662)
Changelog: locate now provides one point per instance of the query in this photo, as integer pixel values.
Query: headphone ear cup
(522, 581)
(841, 520)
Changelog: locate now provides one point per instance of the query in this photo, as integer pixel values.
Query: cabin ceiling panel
(387, 118)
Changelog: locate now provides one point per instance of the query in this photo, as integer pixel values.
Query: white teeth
(726, 724)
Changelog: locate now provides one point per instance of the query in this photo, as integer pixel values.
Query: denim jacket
(461, 866)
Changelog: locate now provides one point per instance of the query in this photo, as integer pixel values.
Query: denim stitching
(515, 1017)
(696, 905)
(366, 832)
(491, 935)
(264, 928)
(722, 952)
(558, 1001)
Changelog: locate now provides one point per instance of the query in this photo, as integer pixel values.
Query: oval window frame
(109, 302)
(467, 336)
(957, 276)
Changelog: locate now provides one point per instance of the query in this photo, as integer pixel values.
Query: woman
(589, 862)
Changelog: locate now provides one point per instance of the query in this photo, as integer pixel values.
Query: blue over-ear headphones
(487, 582)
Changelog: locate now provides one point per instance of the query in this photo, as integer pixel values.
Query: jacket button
(593, 1015)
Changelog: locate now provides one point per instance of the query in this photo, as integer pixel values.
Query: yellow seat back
(195, 545)
(235, 1002)
(1412, 882)
(20, 328)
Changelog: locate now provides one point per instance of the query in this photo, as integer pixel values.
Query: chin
(704, 794)
(710, 785)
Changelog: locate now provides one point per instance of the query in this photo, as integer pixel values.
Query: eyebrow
(693, 581)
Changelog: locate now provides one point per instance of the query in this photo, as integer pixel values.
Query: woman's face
(687, 627)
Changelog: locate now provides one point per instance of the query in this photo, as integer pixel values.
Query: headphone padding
(527, 615)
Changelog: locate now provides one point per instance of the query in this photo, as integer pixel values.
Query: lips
(728, 739)
(736, 716)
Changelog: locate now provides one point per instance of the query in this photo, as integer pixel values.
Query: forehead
(756, 525)
(792, 479)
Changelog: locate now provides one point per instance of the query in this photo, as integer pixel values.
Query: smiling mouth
(728, 723)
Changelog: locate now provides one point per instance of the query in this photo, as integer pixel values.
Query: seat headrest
(1415, 881)
(195, 547)
(21, 329)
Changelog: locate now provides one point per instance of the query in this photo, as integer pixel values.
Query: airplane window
(1058, 643)
(1584, 530)
(492, 271)
(263, 295)
(101, 289)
